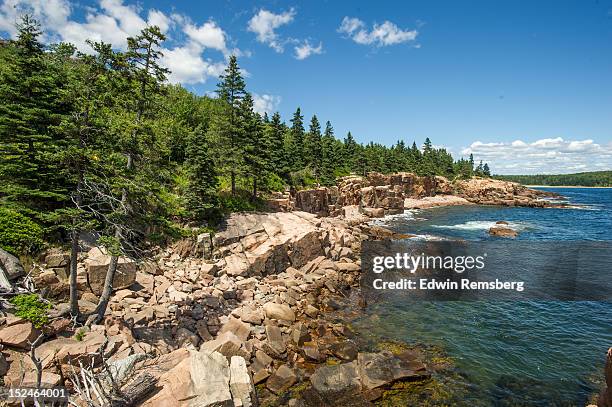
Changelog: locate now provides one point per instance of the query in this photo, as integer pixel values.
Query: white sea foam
(407, 215)
(482, 225)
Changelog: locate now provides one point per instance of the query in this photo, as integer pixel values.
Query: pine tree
(486, 171)
(350, 150)
(328, 156)
(314, 148)
(274, 135)
(227, 130)
(201, 193)
(31, 106)
(145, 76)
(297, 141)
(255, 152)
(84, 130)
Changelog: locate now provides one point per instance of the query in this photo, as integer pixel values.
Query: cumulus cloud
(208, 35)
(545, 156)
(264, 24)
(265, 103)
(380, 35)
(112, 21)
(304, 50)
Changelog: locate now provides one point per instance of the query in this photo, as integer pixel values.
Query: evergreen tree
(297, 141)
(85, 130)
(486, 171)
(274, 135)
(255, 152)
(350, 150)
(201, 193)
(31, 106)
(328, 155)
(227, 131)
(145, 77)
(314, 147)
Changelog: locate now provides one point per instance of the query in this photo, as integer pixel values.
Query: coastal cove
(536, 353)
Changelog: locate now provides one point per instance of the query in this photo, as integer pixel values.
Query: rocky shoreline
(246, 317)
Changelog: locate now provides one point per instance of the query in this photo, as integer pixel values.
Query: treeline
(101, 141)
(585, 179)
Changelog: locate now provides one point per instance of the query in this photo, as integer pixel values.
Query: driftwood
(136, 390)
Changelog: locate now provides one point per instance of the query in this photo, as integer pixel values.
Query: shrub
(18, 233)
(32, 308)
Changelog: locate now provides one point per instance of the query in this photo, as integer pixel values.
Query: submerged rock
(502, 230)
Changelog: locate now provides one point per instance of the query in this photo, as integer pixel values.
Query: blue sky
(524, 85)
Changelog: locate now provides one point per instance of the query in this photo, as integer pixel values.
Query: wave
(482, 225)
(406, 215)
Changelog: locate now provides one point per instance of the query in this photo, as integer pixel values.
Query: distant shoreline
(563, 186)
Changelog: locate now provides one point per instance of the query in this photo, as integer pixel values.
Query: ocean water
(509, 353)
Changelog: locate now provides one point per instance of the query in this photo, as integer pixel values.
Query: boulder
(227, 344)
(501, 230)
(279, 311)
(237, 327)
(11, 265)
(275, 345)
(313, 201)
(605, 398)
(20, 335)
(241, 385)
(380, 369)
(336, 382)
(202, 379)
(97, 266)
(281, 380)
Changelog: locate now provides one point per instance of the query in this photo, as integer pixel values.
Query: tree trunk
(74, 251)
(233, 175)
(112, 267)
(74, 294)
(107, 291)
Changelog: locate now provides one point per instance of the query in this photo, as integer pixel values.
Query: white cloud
(305, 50)
(187, 65)
(208, 35)
(380, 35)
(545, 156)
(112, 21)
(265, 103)
(264, 24)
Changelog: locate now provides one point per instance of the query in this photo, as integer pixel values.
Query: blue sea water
(511, 353)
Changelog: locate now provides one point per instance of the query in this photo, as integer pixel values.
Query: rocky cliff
(377, 194)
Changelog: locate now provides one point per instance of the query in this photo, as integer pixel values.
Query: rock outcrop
(502, 229)
(377, 195)
(605, 398)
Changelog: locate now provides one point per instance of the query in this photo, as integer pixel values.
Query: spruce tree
(227, 131)
(297, 141)
(255, 152)
(31, 106)
(201, 193)
(314, 154)
(485, 170)
(350, 150)
(328, 156)
(274, 136)
(144, 77)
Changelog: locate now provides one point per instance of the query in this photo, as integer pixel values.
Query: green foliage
(304, 178)
(239, 203)
(100, 141)
(586, 179)
(32, 308)
(80, 335)
(18, 233)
